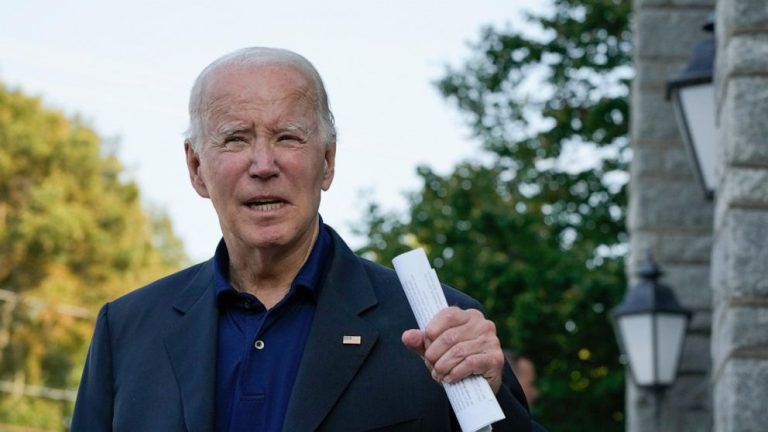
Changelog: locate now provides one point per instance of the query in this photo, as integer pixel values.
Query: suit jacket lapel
(328, 365)
(191, 347)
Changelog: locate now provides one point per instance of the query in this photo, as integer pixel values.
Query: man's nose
(264, 163)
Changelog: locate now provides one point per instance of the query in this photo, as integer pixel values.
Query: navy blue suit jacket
(151, 364)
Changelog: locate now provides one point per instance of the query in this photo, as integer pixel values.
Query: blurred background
(493, 134)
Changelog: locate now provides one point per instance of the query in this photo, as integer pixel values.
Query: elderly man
(284, 328)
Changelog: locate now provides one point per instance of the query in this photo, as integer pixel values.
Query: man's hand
(458, 343)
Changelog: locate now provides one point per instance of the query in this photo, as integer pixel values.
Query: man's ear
(329, 166)
(195, 173)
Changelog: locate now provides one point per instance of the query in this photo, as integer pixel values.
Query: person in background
(525, 371)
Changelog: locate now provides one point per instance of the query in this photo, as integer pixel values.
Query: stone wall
(740, 250)
(668, 213)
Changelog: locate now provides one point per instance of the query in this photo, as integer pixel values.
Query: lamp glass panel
(637, 337)
(670, 333)
(698, 104)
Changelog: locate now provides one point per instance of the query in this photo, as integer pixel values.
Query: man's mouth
(265, 204)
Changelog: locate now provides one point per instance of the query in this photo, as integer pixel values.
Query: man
(285, 328)
(525, 372)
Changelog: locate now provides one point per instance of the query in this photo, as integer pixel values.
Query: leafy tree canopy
(72, 233)
(536, 230)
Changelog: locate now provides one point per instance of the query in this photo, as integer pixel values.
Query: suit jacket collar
(328, 365)
(191, 347)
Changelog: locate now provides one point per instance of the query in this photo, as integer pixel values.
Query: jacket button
(259, 344)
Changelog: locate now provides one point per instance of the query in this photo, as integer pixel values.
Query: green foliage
(535, 232)
(73, 234)
(34, 413)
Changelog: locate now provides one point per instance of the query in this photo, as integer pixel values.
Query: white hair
(257, 56)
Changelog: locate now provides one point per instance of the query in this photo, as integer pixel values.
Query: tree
(534, 232)
(73, 234)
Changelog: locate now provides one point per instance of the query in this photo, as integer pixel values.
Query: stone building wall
(668, 213)
(740, 249)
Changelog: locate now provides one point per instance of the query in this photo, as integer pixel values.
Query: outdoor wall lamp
(693, 96)
(650, 325)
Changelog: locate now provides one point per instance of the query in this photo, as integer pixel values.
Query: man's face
(262, 161)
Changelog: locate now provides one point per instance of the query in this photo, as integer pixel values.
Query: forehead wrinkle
(231, 127)
(295, 103)
(212, 93)
(296, 127)
(292, 103)
(296, 100)
(222, 104)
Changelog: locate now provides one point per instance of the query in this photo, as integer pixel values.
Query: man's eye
(290, 138)
(234, 138)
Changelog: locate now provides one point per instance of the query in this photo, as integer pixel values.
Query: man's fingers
(476, 364)
(458, 343)
(474, 328)
(473, 357)
(448, 318)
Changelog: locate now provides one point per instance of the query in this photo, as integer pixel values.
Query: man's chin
(270, 241)
(282, 233)
(275, 237)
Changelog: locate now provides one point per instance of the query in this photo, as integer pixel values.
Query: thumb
(414, 340)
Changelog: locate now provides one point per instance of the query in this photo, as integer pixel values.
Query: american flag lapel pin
(351, 340)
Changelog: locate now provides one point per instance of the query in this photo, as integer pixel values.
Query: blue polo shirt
(259, 350)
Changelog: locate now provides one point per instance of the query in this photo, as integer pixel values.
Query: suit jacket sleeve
(510, 395)
(93, 408)
(511, 400)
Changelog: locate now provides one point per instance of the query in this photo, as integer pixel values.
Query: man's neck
(268, 274)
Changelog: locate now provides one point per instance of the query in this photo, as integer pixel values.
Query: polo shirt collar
(310, 275)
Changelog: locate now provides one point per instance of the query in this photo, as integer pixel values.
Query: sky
(127, 67)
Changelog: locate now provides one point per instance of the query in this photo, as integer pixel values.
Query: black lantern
(693, 95)
(651, 326)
